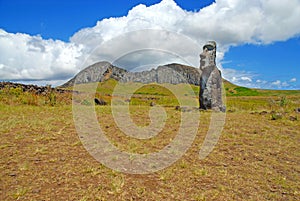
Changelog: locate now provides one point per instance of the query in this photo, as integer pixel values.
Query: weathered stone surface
(93, 73)
(171, 73)
(210, 96)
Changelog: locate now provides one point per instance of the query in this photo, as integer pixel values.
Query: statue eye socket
(208, 47)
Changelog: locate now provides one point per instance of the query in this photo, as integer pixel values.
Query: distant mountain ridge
(170, 73)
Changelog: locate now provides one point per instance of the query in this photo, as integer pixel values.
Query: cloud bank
(25, 57)
(164, 27)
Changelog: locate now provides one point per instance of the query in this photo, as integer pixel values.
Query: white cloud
(242, 78)
(293, 80)
(229, 22)
(285, 84)
(276, 83)
(248, 79)
(261, 82)
(30, 57)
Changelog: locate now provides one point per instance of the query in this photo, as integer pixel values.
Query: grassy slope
(256, 158)
(107, 87)
(237, 98)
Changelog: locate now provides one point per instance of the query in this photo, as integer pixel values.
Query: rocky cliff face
(171, 73)
(93, 73)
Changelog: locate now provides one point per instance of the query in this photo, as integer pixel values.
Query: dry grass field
(256, 158)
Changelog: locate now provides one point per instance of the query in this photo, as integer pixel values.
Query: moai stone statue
(210, 96)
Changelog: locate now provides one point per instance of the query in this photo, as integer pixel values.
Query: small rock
(293, 118)
(223, 108)
(263, 113)
(100, 101)
(297, 110)
(13, 174)
(36, 190)
(260, 159)
(185, 109)
(152, 104)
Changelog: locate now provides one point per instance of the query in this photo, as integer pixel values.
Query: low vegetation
(256, 158)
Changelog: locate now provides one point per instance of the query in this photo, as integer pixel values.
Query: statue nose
(202, 56)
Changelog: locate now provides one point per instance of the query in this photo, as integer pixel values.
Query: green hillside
(237, 98)
(107, 87)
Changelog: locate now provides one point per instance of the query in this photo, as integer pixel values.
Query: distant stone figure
(210, 96)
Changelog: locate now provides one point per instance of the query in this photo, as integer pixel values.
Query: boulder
(100, 101)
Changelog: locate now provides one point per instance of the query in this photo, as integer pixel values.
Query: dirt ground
(42, 158)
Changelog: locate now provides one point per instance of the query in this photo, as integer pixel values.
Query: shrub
(283, 101)
(276, 116)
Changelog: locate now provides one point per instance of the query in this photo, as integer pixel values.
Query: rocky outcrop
(94, 73)
(171, 73)
(39, 90)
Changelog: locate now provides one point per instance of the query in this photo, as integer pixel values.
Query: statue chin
(202, 64)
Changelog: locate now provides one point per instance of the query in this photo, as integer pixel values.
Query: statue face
(208, 56)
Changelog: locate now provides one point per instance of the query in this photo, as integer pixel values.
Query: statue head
(208, 56)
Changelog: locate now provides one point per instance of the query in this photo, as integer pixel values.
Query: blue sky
(61, 19)
(46, 41)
